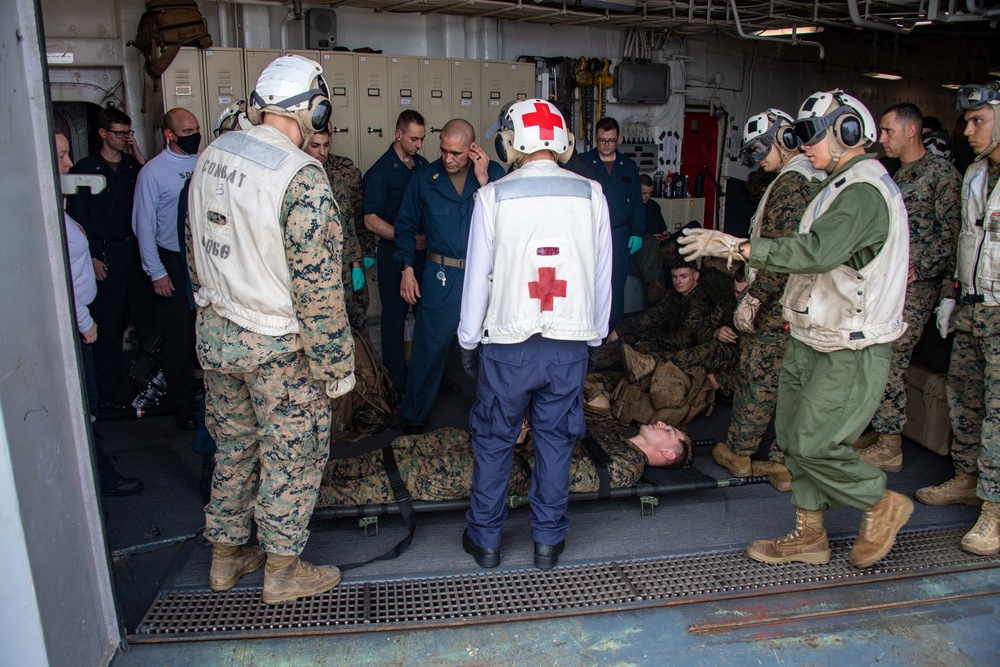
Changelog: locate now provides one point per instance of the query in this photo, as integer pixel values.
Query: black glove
(470, 361)
(592, 352)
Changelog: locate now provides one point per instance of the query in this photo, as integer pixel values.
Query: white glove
(746, 313)
(943, 312)
(337, 388)
(698, 243)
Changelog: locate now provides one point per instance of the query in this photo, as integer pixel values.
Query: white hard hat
(761, 132)
(530, 126)
(851, 123)
(293, 86)
(233, 118)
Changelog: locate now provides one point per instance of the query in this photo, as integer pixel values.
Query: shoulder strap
(601, 462)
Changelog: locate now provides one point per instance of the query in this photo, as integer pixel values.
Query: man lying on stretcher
(438, 465)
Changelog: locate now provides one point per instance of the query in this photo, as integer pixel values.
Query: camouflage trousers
(921, 297)
(756, 394)
(974, 405)
(715, 357)
(356, 302)
(272, 427)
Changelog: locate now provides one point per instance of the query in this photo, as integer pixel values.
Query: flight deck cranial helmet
(294, 87)
(938, 142)
(233, 118)
(529, 126)
(770, 128)
(976, 96)
(841, 117)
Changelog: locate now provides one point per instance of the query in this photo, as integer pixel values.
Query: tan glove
(746, 313)
(337, 388)
(698, 243)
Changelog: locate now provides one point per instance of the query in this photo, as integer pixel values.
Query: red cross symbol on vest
(546, 288)
(545, 120)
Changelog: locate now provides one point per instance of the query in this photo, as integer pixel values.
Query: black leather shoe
(413, 429)
(186, 421)
(485, 557)
(449, 387)
(547, 555)
(125, 486)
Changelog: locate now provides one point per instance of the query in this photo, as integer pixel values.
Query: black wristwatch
(403, 266)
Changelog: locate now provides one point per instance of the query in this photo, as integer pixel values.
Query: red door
(700, 155)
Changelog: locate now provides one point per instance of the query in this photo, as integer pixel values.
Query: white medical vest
(979, 239)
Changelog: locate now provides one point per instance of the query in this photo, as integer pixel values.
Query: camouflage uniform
(266, 403)
(438, 466)
(756, 386)
(974, 392)
(714, 356)
(345, 182)
(931, 188)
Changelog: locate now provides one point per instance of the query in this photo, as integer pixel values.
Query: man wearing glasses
(123, 290)
(619, 177)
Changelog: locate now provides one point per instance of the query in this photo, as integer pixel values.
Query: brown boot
(984, 538)
(638, 366)
(806, 544)
(866, 440)
(879, 525)
(655, 291)
(886, 454)
(959, 490)
(738, 466)
(230, 562)
(288, 578)
(781, 479)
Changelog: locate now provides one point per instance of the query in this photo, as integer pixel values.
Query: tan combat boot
(781, 479)
(806, 544)
(866, 440)
(959, 490)
(638, 366)
(886, 454)
(879, 525)
(984, 538)
(230, 562)
(655, 291)
(288, 578)
(738, 466)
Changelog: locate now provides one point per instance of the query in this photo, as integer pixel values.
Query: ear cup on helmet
(500, 144)
(848, 129)
(321, 112)
(788, 139)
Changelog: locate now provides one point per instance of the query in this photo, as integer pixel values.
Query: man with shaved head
(154, 220)
(438, 204)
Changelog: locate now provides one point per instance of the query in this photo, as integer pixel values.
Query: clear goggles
(758, 148)
(812, 130)
(975, 96)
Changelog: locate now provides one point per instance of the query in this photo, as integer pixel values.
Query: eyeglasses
(121, 134)
(608, 141)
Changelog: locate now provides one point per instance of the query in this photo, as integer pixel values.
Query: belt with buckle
(435, 258)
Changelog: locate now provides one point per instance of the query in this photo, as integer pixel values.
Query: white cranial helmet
(233, 118)
(975, 96)
(841, 117)
(530, 126)
(770, 128)
(292, 86)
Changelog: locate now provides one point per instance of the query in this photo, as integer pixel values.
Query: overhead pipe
(852, 6)
(795, 41)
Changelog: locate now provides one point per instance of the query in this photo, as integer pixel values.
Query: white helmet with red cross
(530, 126)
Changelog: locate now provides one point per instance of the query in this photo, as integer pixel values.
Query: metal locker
(254, 62)
(341, 78)
(375, 129)
(521, 80)
(183, 85)
(224, 82)
(435, 101)
(404, 80)
(465, 91)
(311, 55)
(496, 94)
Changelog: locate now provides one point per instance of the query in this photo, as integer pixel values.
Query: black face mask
(190, 143)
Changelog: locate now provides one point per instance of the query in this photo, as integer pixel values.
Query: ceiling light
(994, 72)
(951, 86)
(784, 32)
(924, 23)
(885, 76)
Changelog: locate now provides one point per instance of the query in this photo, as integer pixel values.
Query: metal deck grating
(521, 594)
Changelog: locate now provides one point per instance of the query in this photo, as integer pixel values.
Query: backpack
(366, 409)
(164, 28)
(674, 396)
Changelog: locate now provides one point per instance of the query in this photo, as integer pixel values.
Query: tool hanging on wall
(585, 88)
(603, 80)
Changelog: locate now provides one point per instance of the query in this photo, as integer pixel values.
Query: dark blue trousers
(394, 309)
(547, 376)
(619, 274)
